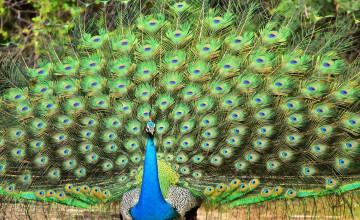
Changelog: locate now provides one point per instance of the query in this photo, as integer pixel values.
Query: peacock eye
(235, 115)
(320, 110)
(92, 64)
(218, 88)
(290, 105)
(344, 92)
(217, 20)
(67, 68)
(152, 23)
(353, 122)
(294, 119)
(279, 84)
(40, 72)
(206, 48)
(294, 62)
(96, 39)
(326, 64)
(238, 41)
(246, 82)
(272, 35)
(124, 42)
(259, 60)
(312, 89)
(43, 89)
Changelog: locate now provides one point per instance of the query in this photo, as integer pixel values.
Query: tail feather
(250, 105)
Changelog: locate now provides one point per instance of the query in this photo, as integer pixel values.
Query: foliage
(326, 7)
(20, 20)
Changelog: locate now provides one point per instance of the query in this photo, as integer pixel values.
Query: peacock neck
(151, 204)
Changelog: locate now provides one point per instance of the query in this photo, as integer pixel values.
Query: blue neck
(151, 204)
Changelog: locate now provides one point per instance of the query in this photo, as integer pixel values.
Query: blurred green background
(18, 18)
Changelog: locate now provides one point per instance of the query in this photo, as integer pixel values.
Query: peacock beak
(151, 130)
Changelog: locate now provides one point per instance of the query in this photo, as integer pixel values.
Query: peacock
(166, 106)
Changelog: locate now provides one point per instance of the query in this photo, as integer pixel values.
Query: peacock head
(150, 128)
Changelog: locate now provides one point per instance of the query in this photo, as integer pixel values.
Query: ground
(329, 207)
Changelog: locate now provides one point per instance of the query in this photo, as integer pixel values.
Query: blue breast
(151, 204)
